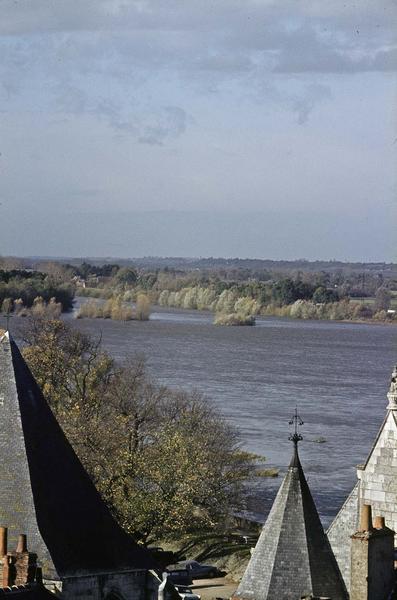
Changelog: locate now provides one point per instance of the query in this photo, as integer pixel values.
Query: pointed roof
(292, 557)
(45, 491)
(391, 415)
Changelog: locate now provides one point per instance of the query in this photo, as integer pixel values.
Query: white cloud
(231, 103)
(170, 122)
(224, 35)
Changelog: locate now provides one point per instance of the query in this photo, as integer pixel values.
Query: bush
(113, 309)
(142, 308)
(234, 319)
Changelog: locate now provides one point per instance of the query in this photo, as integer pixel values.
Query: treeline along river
(336, 373)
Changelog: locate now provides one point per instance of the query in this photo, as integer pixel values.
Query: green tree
(322, 295)
(126, 276)
(286, 291)
(165, 461)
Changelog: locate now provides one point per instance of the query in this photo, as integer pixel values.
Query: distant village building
(78, 281)
(46, 493)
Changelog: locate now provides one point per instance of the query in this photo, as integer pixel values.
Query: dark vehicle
(199, 571)
(186, 593)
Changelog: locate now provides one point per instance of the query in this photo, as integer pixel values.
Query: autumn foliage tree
(165, 461)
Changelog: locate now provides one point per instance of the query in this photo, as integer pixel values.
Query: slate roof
(30, 592)
(292, 557)
(45, 491)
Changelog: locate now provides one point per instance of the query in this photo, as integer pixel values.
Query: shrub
(111, 309)
(234, 319)
(142, 308)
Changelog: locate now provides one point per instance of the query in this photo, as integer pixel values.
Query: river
(336, 373)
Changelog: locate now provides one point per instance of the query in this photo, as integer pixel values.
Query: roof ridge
(287, 480)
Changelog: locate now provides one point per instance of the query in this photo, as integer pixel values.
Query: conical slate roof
(45, 491)
(292, 557)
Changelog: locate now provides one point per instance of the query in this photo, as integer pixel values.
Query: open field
(370, 300)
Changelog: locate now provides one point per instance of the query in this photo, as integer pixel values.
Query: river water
(336, 373)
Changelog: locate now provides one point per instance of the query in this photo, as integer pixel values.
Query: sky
(250, 128)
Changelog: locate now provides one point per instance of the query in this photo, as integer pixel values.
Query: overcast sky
(261, 128)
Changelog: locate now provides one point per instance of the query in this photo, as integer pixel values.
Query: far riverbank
(239, 320)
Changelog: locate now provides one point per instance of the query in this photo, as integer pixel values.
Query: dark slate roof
(293, 557)
(45, 491)
(30, 592)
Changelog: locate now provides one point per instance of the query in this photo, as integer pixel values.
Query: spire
(45, 491)
(392, 393)
(292, 557)
(295, 437)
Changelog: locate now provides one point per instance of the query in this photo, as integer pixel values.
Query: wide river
(336, 373)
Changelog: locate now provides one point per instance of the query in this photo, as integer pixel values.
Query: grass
(370, 300)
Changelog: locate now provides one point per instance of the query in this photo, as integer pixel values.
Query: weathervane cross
(297, 422)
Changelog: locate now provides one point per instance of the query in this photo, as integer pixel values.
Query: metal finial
(297, 422)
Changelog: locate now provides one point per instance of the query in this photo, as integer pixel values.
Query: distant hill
(252, 264)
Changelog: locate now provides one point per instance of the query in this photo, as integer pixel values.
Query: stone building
(292, 558)
(46, 493)
(79, 548)
(376, 486)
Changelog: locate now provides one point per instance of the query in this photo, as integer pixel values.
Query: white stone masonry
(376, 485)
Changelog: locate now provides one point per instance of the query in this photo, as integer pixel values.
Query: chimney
(19, 567)
(379, 523)
(22, 543)
(25, 563)
(39, 575)
(372, 558)
(366, 518)
(3, 554)
(8, 570)
(3, 541)
(5, 572)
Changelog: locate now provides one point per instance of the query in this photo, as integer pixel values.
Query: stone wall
(342, 527)
(378, 479)
(131, 585)
(376, 486)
